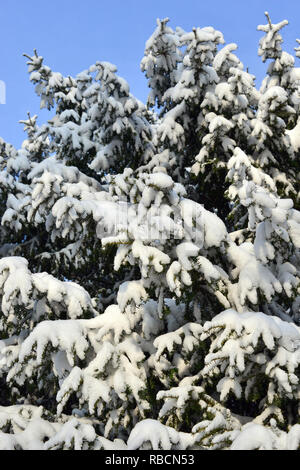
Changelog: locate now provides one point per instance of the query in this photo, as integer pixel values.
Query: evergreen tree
(149, 264)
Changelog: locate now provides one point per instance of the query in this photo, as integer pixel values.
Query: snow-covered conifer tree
(162, 56)
(149, 263)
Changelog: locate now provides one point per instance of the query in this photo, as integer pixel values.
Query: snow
(159, 436)
(131, 292)
(294, 135)
(213, 231)
(234, 350)
(253, 437)
(184, 251)
(71, 434)
(67, 335)
(112, 320)
(126, 232)
(150, 256)
(161, 181)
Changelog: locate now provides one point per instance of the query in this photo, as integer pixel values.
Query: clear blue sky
(73, 34)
